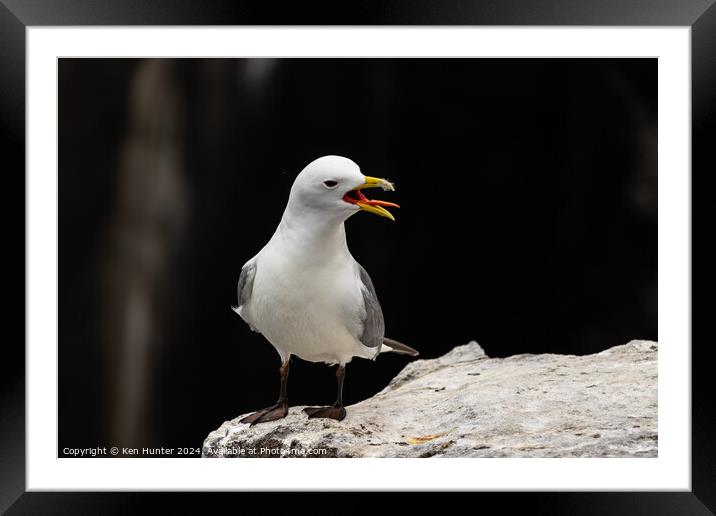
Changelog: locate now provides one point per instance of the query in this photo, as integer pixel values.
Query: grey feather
(246, 283)
(373, 324)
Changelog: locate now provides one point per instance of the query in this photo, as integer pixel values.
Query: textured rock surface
(465, 404)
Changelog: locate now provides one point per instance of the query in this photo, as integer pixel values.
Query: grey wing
(373, 324)
(246, 284)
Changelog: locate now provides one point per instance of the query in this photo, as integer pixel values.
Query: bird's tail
(397, 347)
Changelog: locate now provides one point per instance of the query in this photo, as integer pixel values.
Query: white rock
(465, 404)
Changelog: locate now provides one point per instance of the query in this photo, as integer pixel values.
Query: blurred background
(528, 190)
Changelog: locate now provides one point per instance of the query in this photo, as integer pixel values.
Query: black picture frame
(17, 15)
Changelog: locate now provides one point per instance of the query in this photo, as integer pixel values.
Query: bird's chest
(292, 296)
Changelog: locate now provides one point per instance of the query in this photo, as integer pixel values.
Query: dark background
(528, 188)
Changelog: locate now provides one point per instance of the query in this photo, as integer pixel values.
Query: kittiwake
(304, 291)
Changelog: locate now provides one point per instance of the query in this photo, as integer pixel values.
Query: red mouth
(356, 196)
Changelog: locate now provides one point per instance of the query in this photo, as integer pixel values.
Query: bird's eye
(330, 183)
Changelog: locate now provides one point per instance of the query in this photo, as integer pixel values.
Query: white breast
(311, 309)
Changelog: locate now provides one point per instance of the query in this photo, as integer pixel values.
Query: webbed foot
(277, 411)
(337, 412)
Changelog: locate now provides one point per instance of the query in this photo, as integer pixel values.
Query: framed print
(466, 233)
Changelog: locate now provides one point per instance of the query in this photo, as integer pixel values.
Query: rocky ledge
(465, 404)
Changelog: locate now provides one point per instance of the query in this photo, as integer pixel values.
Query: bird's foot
(337, 412)
(277, 411)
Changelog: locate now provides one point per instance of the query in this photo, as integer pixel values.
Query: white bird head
(333, 184)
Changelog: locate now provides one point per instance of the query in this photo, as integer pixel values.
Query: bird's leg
(277, 411)
(336, 411)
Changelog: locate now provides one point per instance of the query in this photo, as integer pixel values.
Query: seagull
(304, 291)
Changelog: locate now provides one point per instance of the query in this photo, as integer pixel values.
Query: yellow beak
(373, 206)
(376, 182)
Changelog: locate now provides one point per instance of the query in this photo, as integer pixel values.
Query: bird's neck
(313, 234)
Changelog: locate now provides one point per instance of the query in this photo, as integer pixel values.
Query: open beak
(356, 197)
